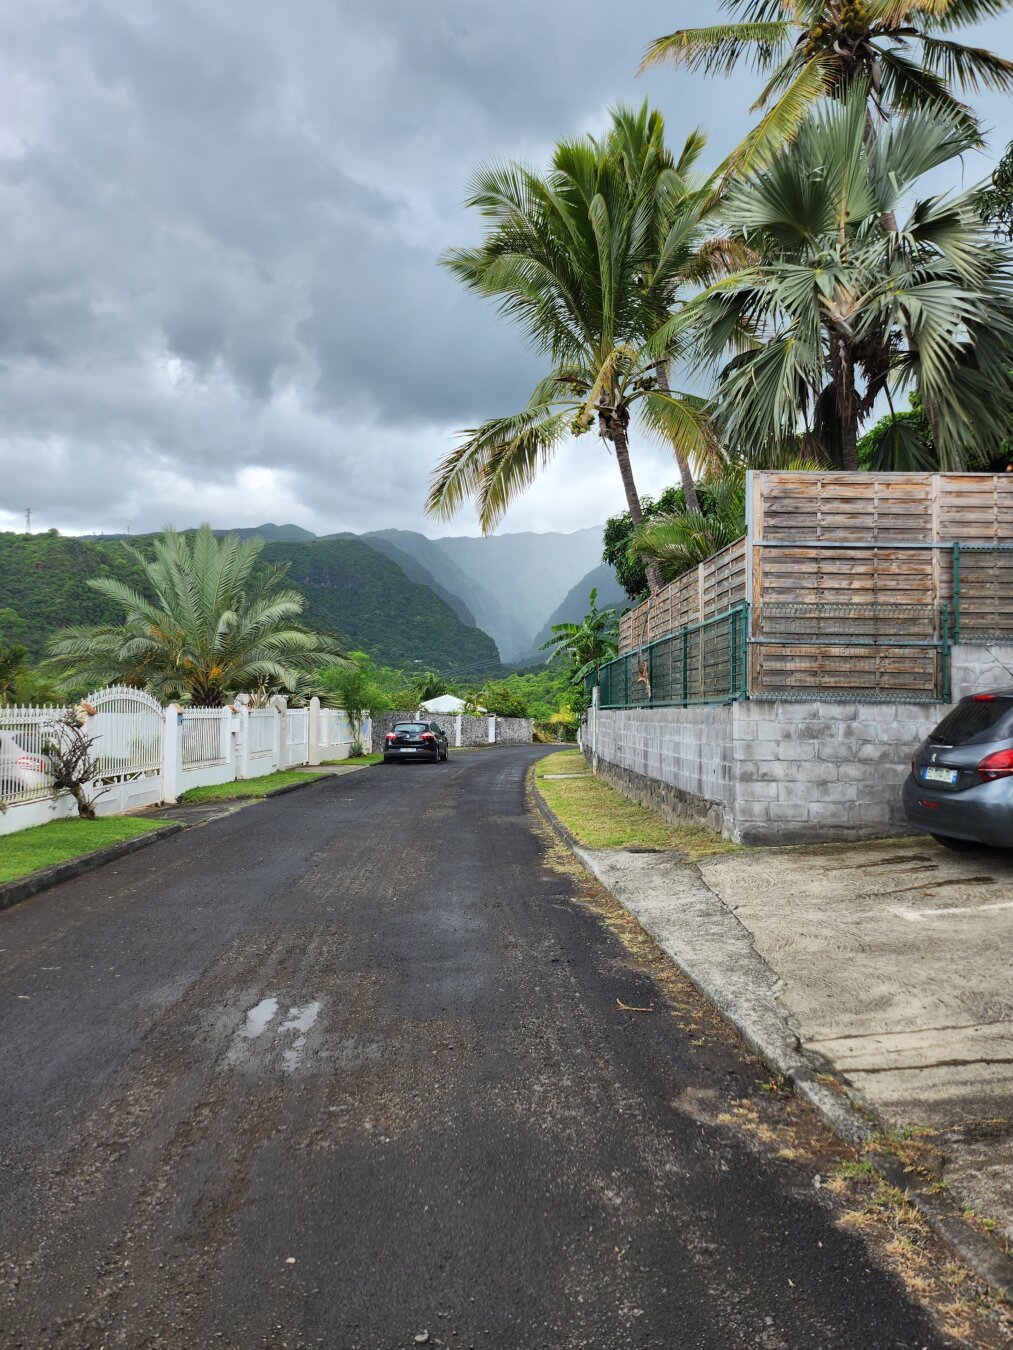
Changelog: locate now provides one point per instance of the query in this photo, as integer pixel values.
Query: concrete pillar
(171, 752)
(492, 728)
(457, 730)
(313, 755)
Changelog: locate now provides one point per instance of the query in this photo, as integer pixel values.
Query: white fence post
(492, 728)
(279, 704)
(365, 735)
(457, 730)
(171, 755)
(243, 713)
(313, 754)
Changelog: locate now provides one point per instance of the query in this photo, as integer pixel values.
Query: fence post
(313, 755)
(956, 591)
(243, 713)
(280, 705)
(685, 667)
(457, 731)
(492, 729)
(171, 749)
(744, 673)
(944, 654)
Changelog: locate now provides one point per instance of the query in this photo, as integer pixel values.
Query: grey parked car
(415, 740)
(960, 789)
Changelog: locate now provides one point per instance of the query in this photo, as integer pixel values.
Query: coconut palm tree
(844, 309)
(813, 48)
(589, 644)
(578, 258)
(679, 202)
(214, 624)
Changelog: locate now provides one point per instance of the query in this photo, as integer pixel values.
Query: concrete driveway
(893, 961)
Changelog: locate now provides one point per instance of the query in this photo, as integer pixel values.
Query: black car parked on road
(415, 740)
(960, 789)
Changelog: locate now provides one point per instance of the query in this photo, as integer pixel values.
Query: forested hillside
(350, 589)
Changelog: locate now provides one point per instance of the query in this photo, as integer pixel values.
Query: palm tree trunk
(632, 496)
(847, 401)
(688, 485)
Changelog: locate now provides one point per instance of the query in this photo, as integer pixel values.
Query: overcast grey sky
(219, 230)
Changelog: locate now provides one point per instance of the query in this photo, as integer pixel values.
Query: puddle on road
(288, 1035)
(300, 1020)
(259, 1017)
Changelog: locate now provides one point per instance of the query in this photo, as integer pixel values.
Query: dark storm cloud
(219, 227)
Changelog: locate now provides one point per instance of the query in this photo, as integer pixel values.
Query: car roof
(989, 693)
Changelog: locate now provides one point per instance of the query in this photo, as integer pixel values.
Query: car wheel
(958, 845)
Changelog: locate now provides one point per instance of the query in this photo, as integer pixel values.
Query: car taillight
(998, 765)
(428, 736)
(32, 762)
(390, 736)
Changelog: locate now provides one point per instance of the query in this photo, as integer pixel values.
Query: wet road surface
(347, 1067)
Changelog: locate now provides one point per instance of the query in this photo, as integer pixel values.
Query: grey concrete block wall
(780, 772)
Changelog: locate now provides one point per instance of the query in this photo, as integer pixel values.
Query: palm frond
(718, 49)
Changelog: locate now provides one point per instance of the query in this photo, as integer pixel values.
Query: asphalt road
(347, 1066)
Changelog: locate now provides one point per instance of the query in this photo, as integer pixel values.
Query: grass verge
(31, 850)
(599, 817)
(248, 787)
(354, 759)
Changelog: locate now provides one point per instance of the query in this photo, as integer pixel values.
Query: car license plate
(409, 749)
(932, 775)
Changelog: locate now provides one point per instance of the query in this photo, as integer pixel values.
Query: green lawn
(248, 787)
(30, 850)
(355, 759)
(599, 817)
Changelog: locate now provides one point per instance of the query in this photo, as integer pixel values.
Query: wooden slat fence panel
(720, 581)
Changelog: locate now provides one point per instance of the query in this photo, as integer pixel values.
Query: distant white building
(447, 703)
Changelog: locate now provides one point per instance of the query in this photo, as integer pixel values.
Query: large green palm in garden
(213, 625)
(585, 259)
(899, 50)
(843, 309)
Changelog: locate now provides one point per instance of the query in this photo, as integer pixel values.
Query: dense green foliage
(351, 591)
(629, 566)
(681, 539)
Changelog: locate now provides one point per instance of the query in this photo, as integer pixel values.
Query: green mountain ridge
(351, 589)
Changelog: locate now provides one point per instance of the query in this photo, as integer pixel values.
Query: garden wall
(776, 772)
(463, 729)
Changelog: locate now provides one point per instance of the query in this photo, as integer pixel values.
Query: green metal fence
(702, 663)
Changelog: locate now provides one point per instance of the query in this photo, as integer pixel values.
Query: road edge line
(981, 1253)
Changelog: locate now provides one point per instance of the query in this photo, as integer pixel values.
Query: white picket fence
(148, 754)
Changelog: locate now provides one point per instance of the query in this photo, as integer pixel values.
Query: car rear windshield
(411, 726)
(971, 718)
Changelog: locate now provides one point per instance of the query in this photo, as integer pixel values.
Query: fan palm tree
(215, 624)
(589, 644)
(813, 48)
(577, 257)
(844, 309)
